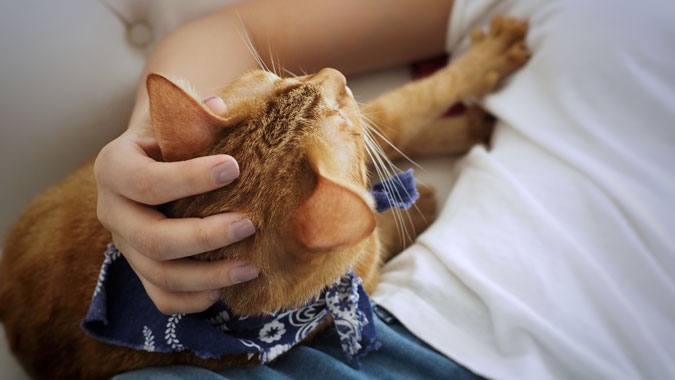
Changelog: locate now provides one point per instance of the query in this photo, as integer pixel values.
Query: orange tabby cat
(301, 146)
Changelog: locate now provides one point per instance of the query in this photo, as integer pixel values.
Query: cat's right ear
(183, 126)
(333, 217)
(336, 214)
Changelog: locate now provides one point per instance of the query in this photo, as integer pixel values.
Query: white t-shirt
(554, 255)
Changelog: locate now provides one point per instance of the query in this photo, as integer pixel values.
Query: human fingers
(160, 238)
(123, 169)
(215, 104)
(183, 302)
(173, 303)
(186, 275)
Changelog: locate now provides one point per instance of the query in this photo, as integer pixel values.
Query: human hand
(130, 182)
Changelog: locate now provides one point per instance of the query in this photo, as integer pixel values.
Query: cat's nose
(330, 79)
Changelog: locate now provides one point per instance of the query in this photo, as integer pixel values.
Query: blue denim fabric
(402, 356)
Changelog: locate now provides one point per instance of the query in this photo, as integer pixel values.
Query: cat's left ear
(183, 126)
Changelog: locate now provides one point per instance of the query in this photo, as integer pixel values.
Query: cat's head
(303, 180)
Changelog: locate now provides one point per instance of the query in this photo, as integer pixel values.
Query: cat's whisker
(280, 68)
(272, 61)
(398, 193)
(375, 129)
(384, 161)
(249, 44)
(363, 105)
(243, 34)
(372, 127)
(370, 151)
(396, 169)
(380, 167)
(377, 153)
(287, 71)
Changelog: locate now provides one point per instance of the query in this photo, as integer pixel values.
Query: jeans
(402, 356)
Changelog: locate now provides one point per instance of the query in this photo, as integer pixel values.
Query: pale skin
(349, 35)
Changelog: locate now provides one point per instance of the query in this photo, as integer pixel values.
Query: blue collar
(122, 314)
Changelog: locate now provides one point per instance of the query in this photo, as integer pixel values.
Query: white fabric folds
(554, 255)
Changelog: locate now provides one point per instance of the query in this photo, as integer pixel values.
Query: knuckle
(216, 279)
(164, 306)
(124, 249)
(202, 237)
(100, 164)
(150, 245)
(145, 187)
(190, 175)
(102, 214)
(159, 278)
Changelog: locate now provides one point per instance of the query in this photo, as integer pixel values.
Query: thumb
(216, 104)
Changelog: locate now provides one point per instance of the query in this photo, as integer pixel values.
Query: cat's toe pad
(495, 54)
(507, 29)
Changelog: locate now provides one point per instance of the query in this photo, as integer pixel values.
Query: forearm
(209, 53)
(349, 35)
(301, 35)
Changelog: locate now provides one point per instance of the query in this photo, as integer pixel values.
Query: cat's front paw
(495, 54)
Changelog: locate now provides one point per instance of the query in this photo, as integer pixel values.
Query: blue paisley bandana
(122, 314)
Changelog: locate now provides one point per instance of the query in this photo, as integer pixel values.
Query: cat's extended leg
(397, 229)
(402, 113)
(447, 135)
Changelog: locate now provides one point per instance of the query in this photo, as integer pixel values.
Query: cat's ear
(334, 216)
(183, 126)
(337, 214)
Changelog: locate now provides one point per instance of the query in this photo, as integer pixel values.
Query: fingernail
(225, 173)
(243, 274)
(214, 295)
(241, 229)
(215, 104)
